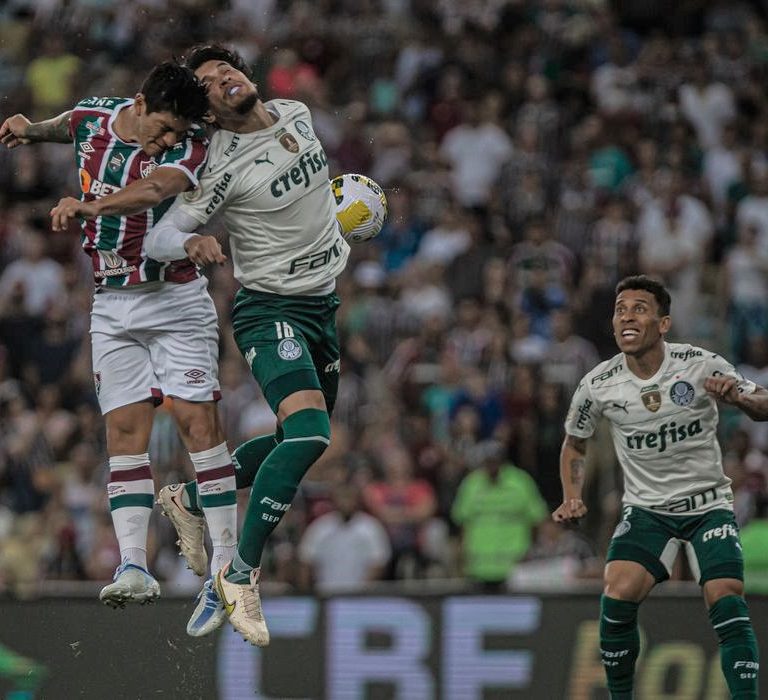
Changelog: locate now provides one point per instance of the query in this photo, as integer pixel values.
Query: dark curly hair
(647, 284)
(171, 87)
(201, 53)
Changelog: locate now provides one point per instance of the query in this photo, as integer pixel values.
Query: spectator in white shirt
(40, 277)
(346, 548)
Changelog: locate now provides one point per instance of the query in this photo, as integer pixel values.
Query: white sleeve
(165, 240)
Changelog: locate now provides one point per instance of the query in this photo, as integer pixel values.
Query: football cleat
(189, 527)
(209, 612)
(130, 584)
(243, 606)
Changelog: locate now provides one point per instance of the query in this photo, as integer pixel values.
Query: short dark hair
(647, 284)
(201, 53)
(171, 87)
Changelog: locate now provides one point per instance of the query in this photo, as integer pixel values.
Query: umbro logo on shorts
(195, 376)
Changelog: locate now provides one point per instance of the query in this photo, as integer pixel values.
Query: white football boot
(189, 527)
(243, 606)
(130, 584)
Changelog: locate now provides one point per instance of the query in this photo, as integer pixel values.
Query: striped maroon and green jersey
(105, 165)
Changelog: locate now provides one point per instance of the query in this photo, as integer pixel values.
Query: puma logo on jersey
(623, 406)
(263, 160)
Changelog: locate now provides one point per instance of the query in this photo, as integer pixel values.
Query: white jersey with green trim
(272, 188)
(663, 428)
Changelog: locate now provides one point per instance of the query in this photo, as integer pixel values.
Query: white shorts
(147, 344)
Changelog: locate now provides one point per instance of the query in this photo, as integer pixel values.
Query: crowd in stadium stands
(533, 153)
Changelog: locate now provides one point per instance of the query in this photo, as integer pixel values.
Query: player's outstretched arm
(19, 131)
(174, 238)
(572, 461)
(726, 389)
(134, 198)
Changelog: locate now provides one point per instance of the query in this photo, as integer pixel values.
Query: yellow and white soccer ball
(361, 206)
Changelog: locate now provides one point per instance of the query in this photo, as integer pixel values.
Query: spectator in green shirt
(754, 540)
(497, 507)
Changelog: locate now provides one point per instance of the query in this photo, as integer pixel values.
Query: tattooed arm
(19, 131)
(572, 460)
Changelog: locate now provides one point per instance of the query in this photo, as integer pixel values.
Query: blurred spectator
(346, 548)
(557, 558)
(707, 104)
(745, 270)
(50, 77)
(497, 508)
(675, 231)
(39, 278)
(405, 506)
(476, 149)
(570, 356)
(754, 540)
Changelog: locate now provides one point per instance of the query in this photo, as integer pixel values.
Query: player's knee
(124, 437)
(310, 426)
(198, 426)
(626, 589)
(716, 589)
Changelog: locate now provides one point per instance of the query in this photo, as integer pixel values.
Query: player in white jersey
(267, 174)
(153, 325)
(660, 400)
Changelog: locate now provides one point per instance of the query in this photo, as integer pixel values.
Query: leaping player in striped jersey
(153, 324)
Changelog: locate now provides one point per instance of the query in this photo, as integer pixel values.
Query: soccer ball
(361, 206)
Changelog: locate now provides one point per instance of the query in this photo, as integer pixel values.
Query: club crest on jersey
(116, 162)
(193, 195)
(681, 393)
(303, 128)
(651, 397)
(147, 168)
(289, 349)
(287, 141)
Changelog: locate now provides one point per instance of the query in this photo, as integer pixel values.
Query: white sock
(131, 495)
(221, 555)
(134, 555)
(217, 494)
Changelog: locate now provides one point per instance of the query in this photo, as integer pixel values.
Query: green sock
(189, 498)
(619, 645)
(247, 459)
(307, 434)
(739, 657)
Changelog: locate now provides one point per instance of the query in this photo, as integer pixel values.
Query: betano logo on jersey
(309, 164)
(97, 188)
(666, 434)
